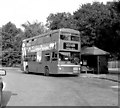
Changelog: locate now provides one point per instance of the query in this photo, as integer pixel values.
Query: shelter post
(98, 64)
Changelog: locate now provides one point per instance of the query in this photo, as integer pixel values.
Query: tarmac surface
(113, 77)
(67, 90)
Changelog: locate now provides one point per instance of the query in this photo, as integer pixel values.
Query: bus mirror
(34, 60)
(54, 59)
(2, 72)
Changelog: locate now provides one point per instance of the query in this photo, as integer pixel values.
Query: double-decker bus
(55, 52)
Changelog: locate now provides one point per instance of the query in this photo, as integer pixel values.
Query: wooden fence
(114, 66)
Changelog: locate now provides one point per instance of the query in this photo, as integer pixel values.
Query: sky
(20, 11)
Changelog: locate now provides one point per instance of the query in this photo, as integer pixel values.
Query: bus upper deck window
(33, 57)
(74, 38)
(64, 37)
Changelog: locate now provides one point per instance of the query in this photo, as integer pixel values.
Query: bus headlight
(4, 85)
(60, 68)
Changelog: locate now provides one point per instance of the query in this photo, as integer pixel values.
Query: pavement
(112, 77)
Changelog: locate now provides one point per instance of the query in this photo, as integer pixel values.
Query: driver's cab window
(64, 56)
(54, 56)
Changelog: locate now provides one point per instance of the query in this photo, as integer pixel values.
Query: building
(94, 60)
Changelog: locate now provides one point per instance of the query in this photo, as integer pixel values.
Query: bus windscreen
(71, 57)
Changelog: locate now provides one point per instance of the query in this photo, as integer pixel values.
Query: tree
(33, 29)
(99, 25)
(60, 20)
(89, 18)
(0, 46)
(115, 28)
(10, 46)
(109, 37)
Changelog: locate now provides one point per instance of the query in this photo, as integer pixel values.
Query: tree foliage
(60, 20)
(12, 40)
(90, 19)
(33, 29)
(10, 46)
(98, 24)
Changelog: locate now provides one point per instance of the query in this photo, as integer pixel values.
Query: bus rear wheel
(46, 71)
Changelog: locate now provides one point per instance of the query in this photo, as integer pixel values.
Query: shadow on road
(53, 75)
(6, 97)
(64, 75)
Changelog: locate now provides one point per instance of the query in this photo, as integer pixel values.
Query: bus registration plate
(75, 69)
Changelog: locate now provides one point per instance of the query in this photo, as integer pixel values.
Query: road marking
(115, 86)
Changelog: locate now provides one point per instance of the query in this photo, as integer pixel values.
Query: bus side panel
(40, 62)
(36, 67)
(32, 66)
(53, 67)
(40, 67)
(55, 37)
(21, 66)
(53, 63)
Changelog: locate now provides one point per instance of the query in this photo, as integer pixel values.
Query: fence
(114, 66)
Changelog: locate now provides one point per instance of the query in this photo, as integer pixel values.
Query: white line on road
(115, 86)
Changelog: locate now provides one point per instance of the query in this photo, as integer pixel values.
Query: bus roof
(54, 31)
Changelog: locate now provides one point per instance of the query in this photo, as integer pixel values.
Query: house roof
(93, 51)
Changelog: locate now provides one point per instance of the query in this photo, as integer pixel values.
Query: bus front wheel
(27, 70)
(46, 71)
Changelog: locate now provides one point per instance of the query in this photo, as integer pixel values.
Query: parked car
(2, 73)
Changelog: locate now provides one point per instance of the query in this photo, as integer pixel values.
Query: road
(38, 90)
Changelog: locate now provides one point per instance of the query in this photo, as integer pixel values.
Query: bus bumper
(69, 69)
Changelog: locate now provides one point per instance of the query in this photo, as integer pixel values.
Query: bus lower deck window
(54, 56)
(47, 57)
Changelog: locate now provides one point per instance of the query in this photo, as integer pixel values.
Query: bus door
(31, 59)
(54, 62)
(46, 62)
(49, 62)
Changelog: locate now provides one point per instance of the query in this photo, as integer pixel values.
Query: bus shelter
(94, 60)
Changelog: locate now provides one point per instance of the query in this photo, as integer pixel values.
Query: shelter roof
(93, 51)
